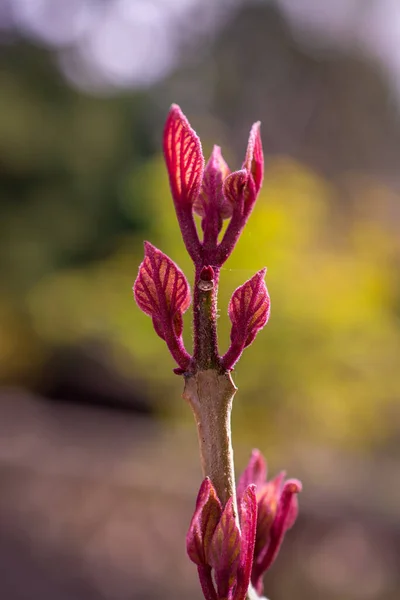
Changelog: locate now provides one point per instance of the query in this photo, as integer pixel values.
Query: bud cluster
(220, 546)
(214, 193)
(229, 553)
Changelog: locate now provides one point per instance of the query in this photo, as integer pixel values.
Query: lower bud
(222, 551)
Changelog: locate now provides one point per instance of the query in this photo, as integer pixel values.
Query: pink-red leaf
(234, 190)
(215, 172)
(283, 520)
(248, 522)
(206, 582)
(254, 160)
(268, 500)
(276, 512)
(162, 291)
(204, 521)
(224, 551)
(286, 513)
(183, 156)
(249, 309)
(255, 473)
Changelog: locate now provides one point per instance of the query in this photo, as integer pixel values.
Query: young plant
(235, 534)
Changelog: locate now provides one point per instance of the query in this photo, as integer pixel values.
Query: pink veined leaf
(183, 156)
(204, 521)
(162, 291)
(249, 309)
(224, 551)
(254, 160)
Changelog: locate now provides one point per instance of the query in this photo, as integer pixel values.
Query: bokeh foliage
(325, 368)
(83, 185)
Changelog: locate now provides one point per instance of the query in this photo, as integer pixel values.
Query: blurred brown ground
(95, 503)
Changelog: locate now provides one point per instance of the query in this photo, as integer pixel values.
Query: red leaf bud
(248, 311)
(211, 197)
(162, 292)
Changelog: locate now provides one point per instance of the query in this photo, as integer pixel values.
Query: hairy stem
(205, 322)
(210, 395)
(177, 349)
(189, 232)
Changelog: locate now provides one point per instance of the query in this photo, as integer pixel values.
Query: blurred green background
(85, 88)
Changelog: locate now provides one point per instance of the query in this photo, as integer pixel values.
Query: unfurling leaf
(249, 309)
(286, 513)
(162, 291)
(234, 190)
(248, 524)
(183, 156)
(224, 551)
(255, 473)
(276, 512)
(268, 500)
(211, 199)
(254, 160)
(204, 521)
